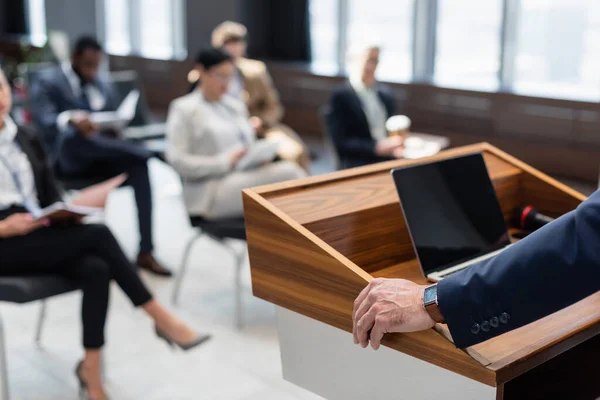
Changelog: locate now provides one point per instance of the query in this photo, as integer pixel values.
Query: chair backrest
(25, 289)
(326, 122)
(126, 81)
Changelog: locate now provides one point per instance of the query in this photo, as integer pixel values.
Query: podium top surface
(315, 243)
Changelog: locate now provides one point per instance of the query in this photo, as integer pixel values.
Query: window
(387, 23)
(468, 44)
(118, 40)
(151, 28)
(36, 18)
(324, 35)
(548, 48)
(156, 37)
(558, 49)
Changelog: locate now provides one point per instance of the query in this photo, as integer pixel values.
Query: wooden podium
(315, 243)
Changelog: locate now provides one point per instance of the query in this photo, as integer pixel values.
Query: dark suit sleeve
(551, 269)
(346, 143)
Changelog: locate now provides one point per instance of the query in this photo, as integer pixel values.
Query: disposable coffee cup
(398, 125)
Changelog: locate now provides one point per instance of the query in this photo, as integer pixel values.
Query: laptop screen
(452, 211)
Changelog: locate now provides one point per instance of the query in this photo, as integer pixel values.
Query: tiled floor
(235, 365)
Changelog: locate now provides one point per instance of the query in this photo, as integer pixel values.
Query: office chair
(23, 290)
(221, 231)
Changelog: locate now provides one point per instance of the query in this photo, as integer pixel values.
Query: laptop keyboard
(460, 267)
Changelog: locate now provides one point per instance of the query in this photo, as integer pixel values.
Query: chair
(23, 290)
(221, 231)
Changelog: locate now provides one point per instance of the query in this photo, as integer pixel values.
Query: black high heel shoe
(83, 392)
(200, 339)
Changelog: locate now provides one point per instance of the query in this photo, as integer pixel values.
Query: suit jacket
(51, 94)
(193, 147)
(262, 98)
(45, 182)
(349, 128)
(550, 269)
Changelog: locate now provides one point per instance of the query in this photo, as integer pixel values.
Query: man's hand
(398, 152)
(20, 224)
(386, 306)
(84, 126)
(386, 146)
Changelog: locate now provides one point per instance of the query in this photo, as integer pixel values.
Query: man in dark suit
(61, 100)
(357, 114)
(497, 295)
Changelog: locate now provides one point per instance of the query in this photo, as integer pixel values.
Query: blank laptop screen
(452, 211)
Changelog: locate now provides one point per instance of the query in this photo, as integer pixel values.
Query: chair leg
(182, 269)
(40, 324)
(239, 260)
(4, 395)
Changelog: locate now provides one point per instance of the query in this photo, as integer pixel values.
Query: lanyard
(29, 205)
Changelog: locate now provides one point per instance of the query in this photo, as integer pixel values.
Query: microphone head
(530, 219)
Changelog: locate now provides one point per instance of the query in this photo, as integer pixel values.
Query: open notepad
(87, 203)
(118, 119)
(60, 211)
(259, 152)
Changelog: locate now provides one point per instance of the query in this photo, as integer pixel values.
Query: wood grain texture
(316, 242)
(294, 269)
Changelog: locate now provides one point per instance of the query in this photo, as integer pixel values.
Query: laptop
(453, 216)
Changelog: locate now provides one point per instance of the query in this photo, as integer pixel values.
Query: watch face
(430, 295)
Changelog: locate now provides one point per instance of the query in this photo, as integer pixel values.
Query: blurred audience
(88, 254)
(62, 99)
(252, 83)
(208, 134)
(358, 112)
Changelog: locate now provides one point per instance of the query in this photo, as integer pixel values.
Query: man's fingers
(364, 325)
(377, 333)
(357, 303)
(364, 307)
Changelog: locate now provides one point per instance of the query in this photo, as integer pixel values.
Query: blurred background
(520, 74)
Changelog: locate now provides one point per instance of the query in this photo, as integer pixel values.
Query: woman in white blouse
(209, 133)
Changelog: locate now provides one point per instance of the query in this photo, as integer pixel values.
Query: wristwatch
(430, 301)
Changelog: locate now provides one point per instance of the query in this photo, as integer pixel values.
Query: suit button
(504, 318)
(485, 326)
(494, 322)
(475, 329)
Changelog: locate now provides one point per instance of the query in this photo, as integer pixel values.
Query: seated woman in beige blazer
(208, 133)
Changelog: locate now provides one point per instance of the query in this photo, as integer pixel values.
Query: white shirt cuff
(62, 121)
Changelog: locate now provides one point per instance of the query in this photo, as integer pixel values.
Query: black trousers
(88, 254)
(106, 157)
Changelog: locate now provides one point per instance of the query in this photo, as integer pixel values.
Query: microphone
(530, 219)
